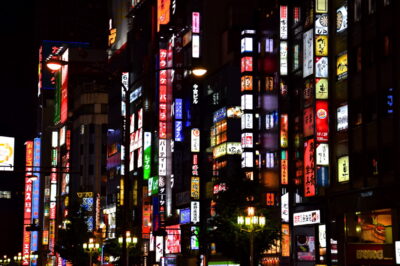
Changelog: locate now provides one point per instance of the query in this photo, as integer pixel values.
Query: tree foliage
(71, 238)
(224, 231)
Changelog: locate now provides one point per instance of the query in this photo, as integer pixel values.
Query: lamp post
(91, 247)
(129, 240)
(17, 259)
(251, 224)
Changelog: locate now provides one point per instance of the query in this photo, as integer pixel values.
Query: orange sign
(163, 7)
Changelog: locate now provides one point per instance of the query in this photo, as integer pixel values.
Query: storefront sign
(304, 218)
(195, 140)
(322, 121)
(195, 212)
(309, 168)
(343, 169)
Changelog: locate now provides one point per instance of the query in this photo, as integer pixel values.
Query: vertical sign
(35, 192)
(283, 22)
(64, 88)
(285, 240)
(27, 203)
(321, 121)
(6, 154)
(163, 7)
(196, 22)
(147, 155)
(309, 168)
(308, 53)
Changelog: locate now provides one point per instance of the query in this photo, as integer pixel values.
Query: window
(5, 194)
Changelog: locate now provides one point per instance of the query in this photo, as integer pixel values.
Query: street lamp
(251, 224)
(91, 248)
(129, 240)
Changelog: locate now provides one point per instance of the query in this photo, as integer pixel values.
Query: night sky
(18, 103)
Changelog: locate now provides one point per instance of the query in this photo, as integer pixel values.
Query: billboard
(321, 121)
(308, 53)
(309, 168)
(305, 218)
(7, 153)
(341, 66)
(195, 140)
(147, 155)
(64, 88)
(343, 169)
(163, 8)
(342, 118)
(173, 239)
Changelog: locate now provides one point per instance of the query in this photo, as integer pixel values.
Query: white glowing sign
(304, 218)
(247, 45)
(322, 154)
(342, 118)
(283, 57)
(283, 22)
(195, 140)
(285, 207)
(247, 159)
(247, 102)
(247, 140)
(195, 212)
(195, 46)
(247, 121)
(308, 53)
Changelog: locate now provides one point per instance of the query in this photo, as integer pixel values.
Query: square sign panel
(6, 153)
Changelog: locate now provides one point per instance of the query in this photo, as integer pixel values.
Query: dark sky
(17, 109)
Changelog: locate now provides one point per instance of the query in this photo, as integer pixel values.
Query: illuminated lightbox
(342, 118)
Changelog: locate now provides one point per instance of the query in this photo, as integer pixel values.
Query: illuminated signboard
(283, 58)
(195, 22)
(343, 169)
(322, 235)
(64, 88)
(342, 118)
(247, 140)
(321, 88)
(271, 120)
(285, 240)
(322, 123)
(163, 8)
(7, 153)
(322, 154)
(195, 46)
(321, 6)
(284, 167)
(135, 94)
(247, 102)
(246, 44)
(124, 87)
(309, 168)
(195, 212)
(304, 218)
(246, 64)
(36, 183)
(195, 140)
(283, 15)
(173, 239)
(321, 24)
(321, 67)
(321, 45)
(184, 216)
(219, 115)
(153, 185)
(270, 159)
(341, 19)
(195, 187)
(195, 95)
(147, 155)
(341, 66)
(247, 121)
(247, 159)
(285, 207)
(308, 53)
(234, 112)
(284, 131)
(178, 131)
(194, 238)
(308, 122)
(178, 108)
(27, 201)
(219, 150)
(159, 247)
(233, 148)
(247, 83)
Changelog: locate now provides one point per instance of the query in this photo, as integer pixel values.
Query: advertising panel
(247, 102)
(173, 239)
(285, 207)
(64, 88)
(195, 46)
(219, 150)
(283, 48)
(284, 132)
(321, 67)
(247, 140)
(247, 83)
(341, 66)
(308, 122)
(284, 167)
(341, 19)
(195, 22)
(195, 212)
(159, 247)
(322, 154)
(194, 239)
(342, 118)
(305, 218)
(283, 16)
(163, 8)
(195, 187)
(322, 122)
(321, 6)
(246, 45)
(321, 45)
(305, 248)
(178, 109)
(309, 168)
(343, 169)
(7, 153)
(321, 89)
(147, 156)
(285, 240)
(195, 140)
(322, 176)
(233, 148)
(184, 216)
(246, 64)
(247, 159)
(308, 53)
(321, 24)
(247, 121)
